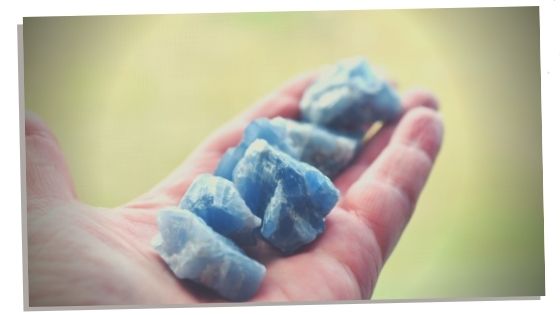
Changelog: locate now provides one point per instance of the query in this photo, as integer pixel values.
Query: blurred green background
(129, 97)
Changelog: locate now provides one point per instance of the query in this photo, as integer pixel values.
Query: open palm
(83, 255)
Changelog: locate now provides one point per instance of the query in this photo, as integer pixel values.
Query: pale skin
(82, 255)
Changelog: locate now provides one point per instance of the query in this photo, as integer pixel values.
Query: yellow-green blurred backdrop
(130, 96)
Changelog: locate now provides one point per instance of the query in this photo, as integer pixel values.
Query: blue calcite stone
(258, 129)
(292, 197)
(216, 201)
(349, 97)
(194, 251)
(328, 151)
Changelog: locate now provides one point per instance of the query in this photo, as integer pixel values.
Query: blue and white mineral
(216, 201)
(194, 251)
(292, 197)
(329, 151)
(349, 97)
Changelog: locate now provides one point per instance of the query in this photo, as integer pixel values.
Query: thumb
(47, 175)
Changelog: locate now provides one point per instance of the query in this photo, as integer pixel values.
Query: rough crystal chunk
(194, 251)
(328, 151)
(217, 202)
(349, 97)
(258, 129)
(292, 197)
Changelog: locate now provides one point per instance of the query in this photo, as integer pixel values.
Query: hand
(82, 255)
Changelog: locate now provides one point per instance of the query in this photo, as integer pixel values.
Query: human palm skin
(83, 255)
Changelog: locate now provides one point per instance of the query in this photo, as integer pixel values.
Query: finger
(386, 193)
(47, 175)
(374, 146)
(284, 102)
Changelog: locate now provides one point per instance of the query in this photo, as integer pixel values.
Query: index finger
(386, 193)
